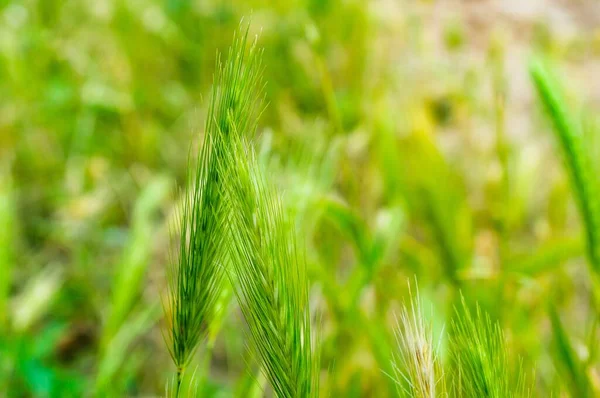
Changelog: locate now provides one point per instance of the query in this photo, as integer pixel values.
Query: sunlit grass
(327, 153)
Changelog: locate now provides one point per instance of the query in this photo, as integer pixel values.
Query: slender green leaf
(578, 163)
(566, 360)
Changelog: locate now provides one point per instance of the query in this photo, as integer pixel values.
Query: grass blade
(7, 211)
(119, 348)
(566, 359)
(577, 159)
(136, 255)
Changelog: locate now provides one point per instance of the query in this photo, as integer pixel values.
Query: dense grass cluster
(184, 214)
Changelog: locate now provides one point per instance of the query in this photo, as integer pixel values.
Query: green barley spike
(270, 280)
(196, 272)
(479, 357)
(269, 271)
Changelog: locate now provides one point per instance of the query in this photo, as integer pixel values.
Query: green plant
(478, 360)
(196, 275)
(268, 267)
(271, 281)
(233, 216)
(577, 149)
(577, 158)
(418, 370)
(123, 324)
(566, 359)
(132, 267)
(481, 366)
(397, 155)
(7, 230)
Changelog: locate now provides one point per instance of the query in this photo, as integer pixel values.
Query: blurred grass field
(407, 136)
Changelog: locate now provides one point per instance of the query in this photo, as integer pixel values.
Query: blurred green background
(405, 133)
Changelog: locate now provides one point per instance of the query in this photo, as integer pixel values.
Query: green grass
(235, 220)
(418, 369)
(271, 281)
(196, 275)
(329, 152)
(576, 156)
(478, 362)
(480, 358)
(6, 255)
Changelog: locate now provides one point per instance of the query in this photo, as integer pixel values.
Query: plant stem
(179, 379)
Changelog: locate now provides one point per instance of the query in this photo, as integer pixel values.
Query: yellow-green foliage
(334, 149)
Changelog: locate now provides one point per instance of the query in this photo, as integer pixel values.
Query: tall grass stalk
(196, 272)
(123, 321)
(118, 351)
(572, 369)
(128, 280)
(417, 367)
(577, 159)
(7, 241)
(270, 279)
(7, 211)
(268, 267)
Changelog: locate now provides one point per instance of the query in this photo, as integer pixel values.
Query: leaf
(37, 297)
(566, 360)
(136, 255)
(546, 257)
(7, 231)
(118, 348)
(578, 162)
